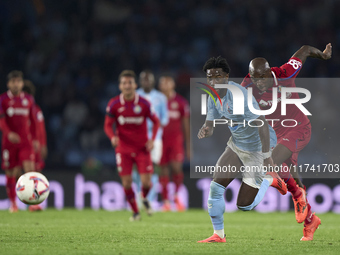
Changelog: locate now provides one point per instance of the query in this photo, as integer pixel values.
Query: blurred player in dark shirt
(174, 135)
(129, 112)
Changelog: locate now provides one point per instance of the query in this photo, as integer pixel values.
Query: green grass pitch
(101, 232)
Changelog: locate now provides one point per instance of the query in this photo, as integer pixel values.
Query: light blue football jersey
(245, 137)
(159, 104)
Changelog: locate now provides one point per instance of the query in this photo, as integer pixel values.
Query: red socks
(164, 180)
(178, 180)
(309, 217)
(145, 191)
(291, 183)
(130, 197)
(10, 188)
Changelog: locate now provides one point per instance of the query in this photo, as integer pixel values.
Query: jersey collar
(122, 101)
(10, 94)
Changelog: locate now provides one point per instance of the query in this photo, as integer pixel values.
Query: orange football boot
(13, 208)
(278, 183)
(300, 206)
(213, 239)
(166, 206)
(35, 208)
(310, 228)
(179, 205)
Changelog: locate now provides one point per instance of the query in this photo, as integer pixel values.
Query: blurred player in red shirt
(16, 116)
(39, 146)
(129, 112)
(173, 141)
(290, 140)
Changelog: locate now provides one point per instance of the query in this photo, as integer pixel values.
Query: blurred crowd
(73, 51)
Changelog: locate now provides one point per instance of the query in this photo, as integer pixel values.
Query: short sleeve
(212, 111)
(290, 69)
(246, 81)
(110, 109)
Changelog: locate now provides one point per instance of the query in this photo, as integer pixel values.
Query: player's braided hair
(217, 62)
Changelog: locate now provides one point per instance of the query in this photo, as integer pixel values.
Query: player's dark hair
(15, 74)
(127, 73)
(29, 87)
(218, 62)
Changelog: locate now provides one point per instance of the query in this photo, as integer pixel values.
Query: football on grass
(32, 188)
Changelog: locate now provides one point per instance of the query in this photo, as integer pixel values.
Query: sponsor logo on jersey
(174, 105)
(130, 120)
(174, 114)
(24, 102)
(17, 111)
(137, 109)
(121, 109)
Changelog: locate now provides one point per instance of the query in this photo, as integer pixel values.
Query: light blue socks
(216, 205)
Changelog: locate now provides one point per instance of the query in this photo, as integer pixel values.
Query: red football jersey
(130, 118)
(284, 76)
(178, 109)
(18, 114)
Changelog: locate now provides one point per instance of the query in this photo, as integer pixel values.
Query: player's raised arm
(308, 51)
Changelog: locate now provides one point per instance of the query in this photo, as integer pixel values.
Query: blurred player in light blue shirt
(159, 105)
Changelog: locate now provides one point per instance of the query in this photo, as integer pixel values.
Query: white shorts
(252, 172)
(156, 153)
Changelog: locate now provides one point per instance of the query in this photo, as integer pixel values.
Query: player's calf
(216, 207)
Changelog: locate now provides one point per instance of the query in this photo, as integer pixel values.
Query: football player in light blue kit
(159, 105)
(247, 147)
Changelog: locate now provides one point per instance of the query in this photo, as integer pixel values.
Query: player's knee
(245, 205)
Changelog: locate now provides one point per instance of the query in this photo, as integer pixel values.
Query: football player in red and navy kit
(129, 113)
(16, 116)
(174, 135)
(39, 146)
(290, 140)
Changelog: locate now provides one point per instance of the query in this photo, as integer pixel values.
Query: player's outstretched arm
(308, 51)
(207, 130)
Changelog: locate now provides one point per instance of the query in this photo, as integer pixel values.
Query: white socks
(220, 233)
(269, 178)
